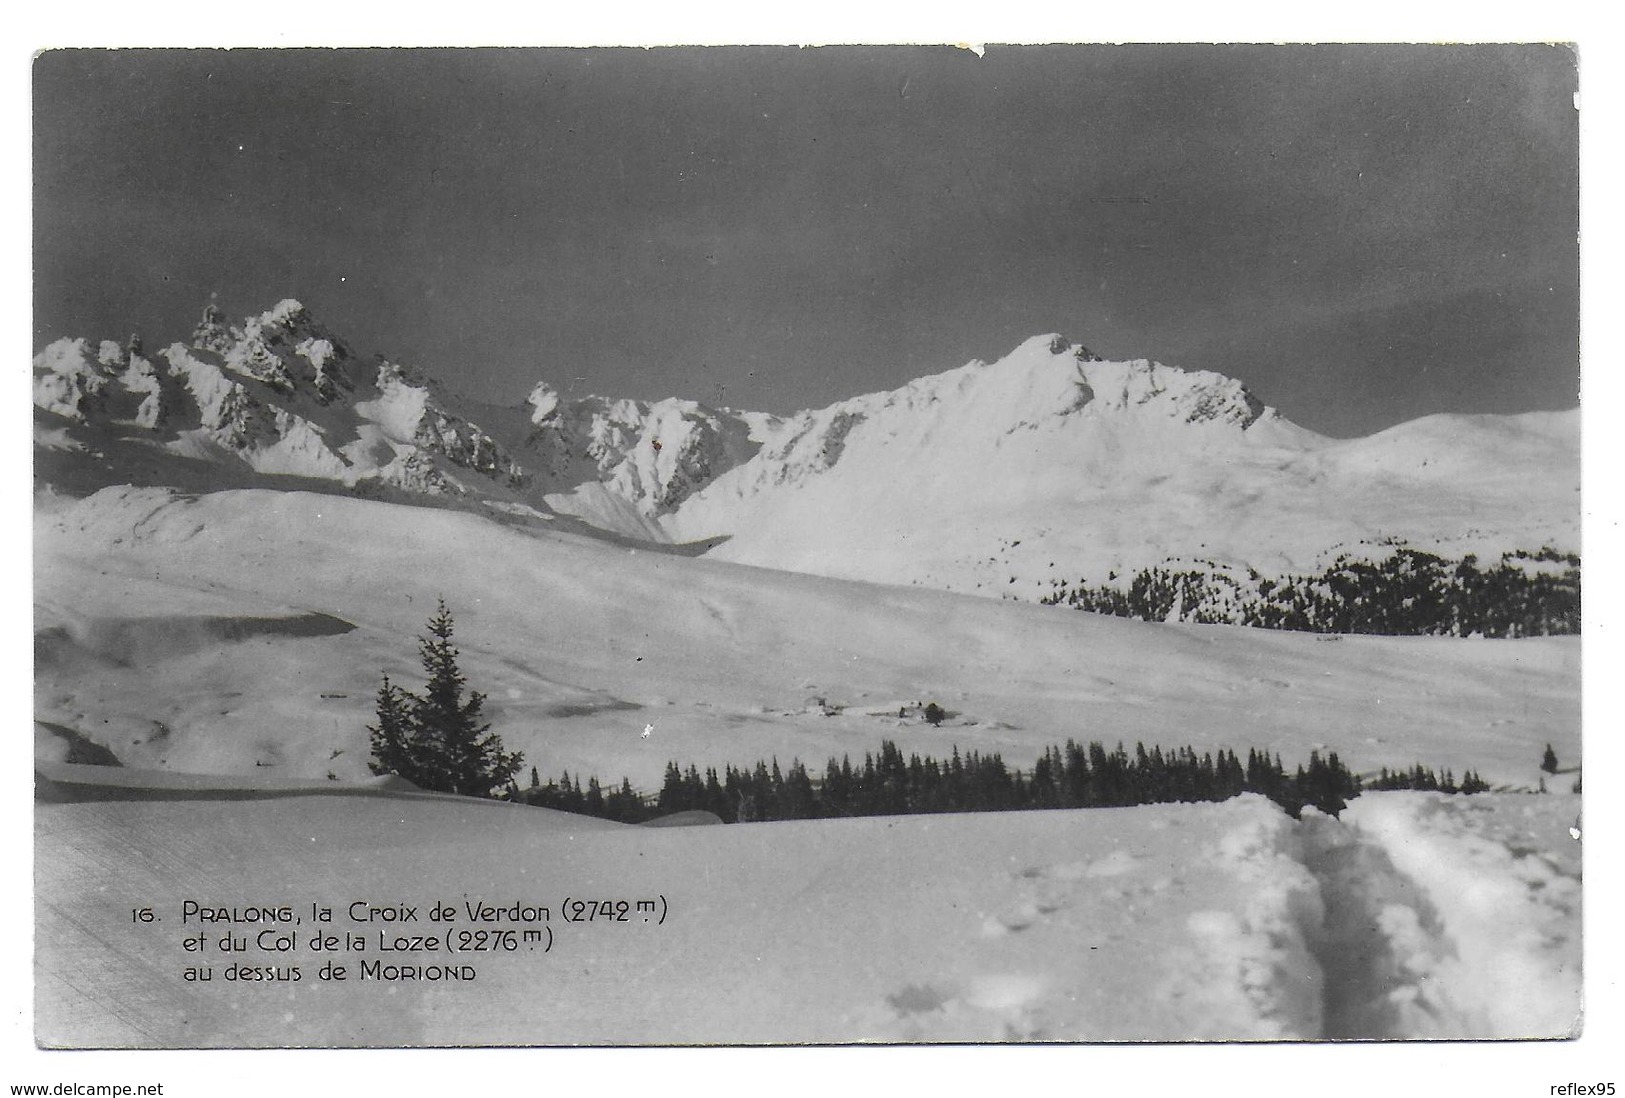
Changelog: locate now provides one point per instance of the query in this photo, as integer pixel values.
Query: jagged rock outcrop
(653, 455)
(281, 394)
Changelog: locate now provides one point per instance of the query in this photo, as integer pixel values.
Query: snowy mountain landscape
(238, 534)
(1048, 468)
(669, 548)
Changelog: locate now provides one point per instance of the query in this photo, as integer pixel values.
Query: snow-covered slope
(211, 633)
(243, 633)
(222, 636)
(1049, 465)
(1417, 916)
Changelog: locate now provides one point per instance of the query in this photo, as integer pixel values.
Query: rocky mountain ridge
(996, 478)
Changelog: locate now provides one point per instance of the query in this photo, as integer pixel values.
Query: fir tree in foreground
(437, 740)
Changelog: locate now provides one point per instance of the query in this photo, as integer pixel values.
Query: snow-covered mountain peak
(285, 314)
(1048, 378)
(1046, 468)
(1189, 396)
(278, 394)
(999, 477)
(543, 402)
(284, 347)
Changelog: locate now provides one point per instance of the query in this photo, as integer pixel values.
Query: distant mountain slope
(211, 633)
(1045, 471)
(1051, 465)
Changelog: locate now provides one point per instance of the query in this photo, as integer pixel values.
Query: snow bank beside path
(1252, 967)
(1489, 946)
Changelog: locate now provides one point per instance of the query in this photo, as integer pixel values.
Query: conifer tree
(1548, 761)
(437, 740)
(393, 748)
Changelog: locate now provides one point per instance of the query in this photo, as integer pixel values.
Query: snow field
(579, 644)
(243, 633)
(1169, 922)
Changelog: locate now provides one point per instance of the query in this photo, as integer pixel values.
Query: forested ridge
(1406, 592)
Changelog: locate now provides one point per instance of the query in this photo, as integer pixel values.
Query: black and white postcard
(772, 546)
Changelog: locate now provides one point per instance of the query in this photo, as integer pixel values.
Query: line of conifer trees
(1420, 777)
(1072, 776)
(568, 795)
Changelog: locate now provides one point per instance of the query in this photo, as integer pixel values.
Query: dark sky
(1362, 234)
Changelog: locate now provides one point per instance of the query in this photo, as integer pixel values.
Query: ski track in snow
(1473, 908)
(1413, 919)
